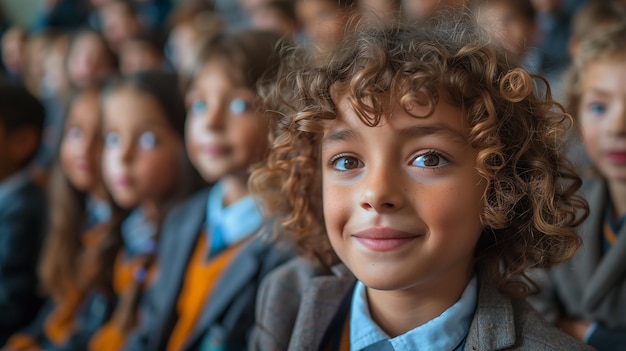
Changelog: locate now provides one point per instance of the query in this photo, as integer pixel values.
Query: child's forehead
(441, 117)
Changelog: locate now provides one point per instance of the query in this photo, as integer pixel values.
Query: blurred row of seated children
(22, 208)
(122, 271)
(100, 252)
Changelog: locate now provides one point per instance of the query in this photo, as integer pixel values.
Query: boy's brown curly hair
(530, 204)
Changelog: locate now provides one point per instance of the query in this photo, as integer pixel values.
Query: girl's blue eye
(346, 163)
(112, 139)
(74, 133)
(198, 107)
(147, 140)
(430, 160)
(597, 108)
(239, 106)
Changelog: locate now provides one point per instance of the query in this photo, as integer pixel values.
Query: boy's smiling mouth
(384, 239)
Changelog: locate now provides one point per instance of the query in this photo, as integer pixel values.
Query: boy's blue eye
(429, 160)
(112, 139)
(147, 140)
(346, 163)
(74, 133)
(198, 107)
(597, 108)
(239, 106)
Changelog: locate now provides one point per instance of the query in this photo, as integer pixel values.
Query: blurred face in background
(225, 131)
(119, 23)
(13, 50)
(323, 22)
(143, 155)
(416, 9)
(88, 60)
(81, 146)
(504, 23)
(137, 56)
(602, 116)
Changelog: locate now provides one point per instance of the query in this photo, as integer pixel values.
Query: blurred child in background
(14, 53)
(78, 216)
(591, 20)
(419, 172)
(89, 59)
(213, 259)
(147, 171)
(22, 208)
(511, 23)
(586, 296)
(143, 51)
(276, 15)
(119, 22)
(324, 22)
(191, 27)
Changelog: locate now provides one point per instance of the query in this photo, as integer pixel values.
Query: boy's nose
(381, 190)
(126, 153)
(214, 119)
(617, 123)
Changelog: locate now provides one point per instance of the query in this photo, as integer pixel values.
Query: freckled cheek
(337, 208)
(449, 206)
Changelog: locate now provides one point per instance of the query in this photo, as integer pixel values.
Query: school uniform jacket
(590, 286)
(298, 301)
(22, 217)
(228, 315)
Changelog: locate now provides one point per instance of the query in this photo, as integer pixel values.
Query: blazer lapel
(612, 265)
(240, 272)
(183, 232)
(320, 302)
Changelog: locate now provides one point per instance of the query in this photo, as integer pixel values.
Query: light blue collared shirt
(13, 183)
(228, 225)
(138, 233)
(445, 332)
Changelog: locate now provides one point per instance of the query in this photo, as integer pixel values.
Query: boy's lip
(123, 181)
(215, 149)
(384, 239)
(616, 156)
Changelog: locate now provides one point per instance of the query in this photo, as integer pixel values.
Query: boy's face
(602, 114)
(402, 200)
(225, 132)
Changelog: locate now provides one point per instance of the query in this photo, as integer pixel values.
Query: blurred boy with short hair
(22, 207)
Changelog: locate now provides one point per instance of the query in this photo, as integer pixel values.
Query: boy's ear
(23, 142)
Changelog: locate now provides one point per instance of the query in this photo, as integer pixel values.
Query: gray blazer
(589, 286)
(229, 315)
(298, 301)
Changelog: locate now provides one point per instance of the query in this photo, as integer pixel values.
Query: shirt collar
(444, 332)
(138, 233)
(13, 183)
(98, 211)
(228, 225)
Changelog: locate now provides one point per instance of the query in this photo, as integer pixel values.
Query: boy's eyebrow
(435, 129)
(341, 134)
(598, 91)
